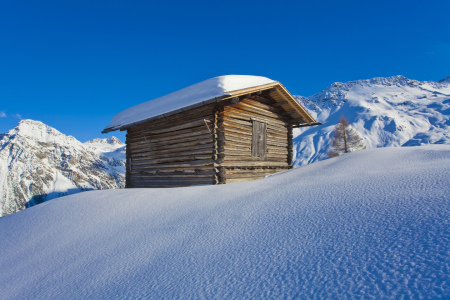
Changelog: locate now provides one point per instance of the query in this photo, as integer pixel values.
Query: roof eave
(295, 104)
(164, 115)
(285, 94)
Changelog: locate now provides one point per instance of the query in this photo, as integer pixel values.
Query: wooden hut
(222, 130)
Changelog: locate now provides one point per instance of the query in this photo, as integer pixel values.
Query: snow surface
(194, 94)
(370, 224)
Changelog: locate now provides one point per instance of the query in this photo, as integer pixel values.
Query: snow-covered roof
(195, 94)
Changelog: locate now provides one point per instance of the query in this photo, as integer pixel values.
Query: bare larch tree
(344, 139)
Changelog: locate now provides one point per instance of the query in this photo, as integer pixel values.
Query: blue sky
(74, 64)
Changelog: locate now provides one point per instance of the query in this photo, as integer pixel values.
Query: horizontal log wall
(234, 136)
(239, 174)
(173, 151)
(183, 150)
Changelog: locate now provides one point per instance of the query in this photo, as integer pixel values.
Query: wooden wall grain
(173, 151)
(235, 141)
(209, 145)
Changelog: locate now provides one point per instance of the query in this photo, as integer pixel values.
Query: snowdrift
(373, 223)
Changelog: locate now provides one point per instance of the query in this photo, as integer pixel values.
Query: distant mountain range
(38, 163)
(387, 112)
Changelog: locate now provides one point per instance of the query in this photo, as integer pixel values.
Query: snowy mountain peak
(445, 80)
(398, 80)
(338, 93)
(39, 132)
(39, 163)
(386, 111)
(112, 146)
(27, 126)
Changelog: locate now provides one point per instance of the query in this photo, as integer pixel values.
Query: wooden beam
(234, 100)
(278, 104)
(238, 164)
(270, 91)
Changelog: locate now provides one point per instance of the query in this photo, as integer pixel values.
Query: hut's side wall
(235, 123)
(172, 151)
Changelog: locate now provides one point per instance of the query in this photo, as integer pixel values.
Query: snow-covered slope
(112, 148)
(370, 224)
(393, 111)
(39, 163)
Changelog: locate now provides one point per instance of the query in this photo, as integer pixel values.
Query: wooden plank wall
(235, 140)
(183, 150)
(172, 151)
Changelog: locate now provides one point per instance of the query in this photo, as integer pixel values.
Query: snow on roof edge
(209, 90)
(185, 108)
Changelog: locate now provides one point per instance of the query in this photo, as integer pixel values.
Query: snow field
(370, 224)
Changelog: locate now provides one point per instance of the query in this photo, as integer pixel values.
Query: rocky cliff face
(38, 163)
(393, 111)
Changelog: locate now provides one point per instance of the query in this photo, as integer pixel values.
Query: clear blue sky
(74, 64)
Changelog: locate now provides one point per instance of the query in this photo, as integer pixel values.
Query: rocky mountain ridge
(39, 163)
(386, 111)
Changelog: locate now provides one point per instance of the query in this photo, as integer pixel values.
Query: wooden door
(259, 139)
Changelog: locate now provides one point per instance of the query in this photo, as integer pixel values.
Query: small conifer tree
(344, 139)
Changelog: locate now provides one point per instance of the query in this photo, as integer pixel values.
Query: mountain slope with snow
(370, 224)
(393, 111)
(38, 163)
